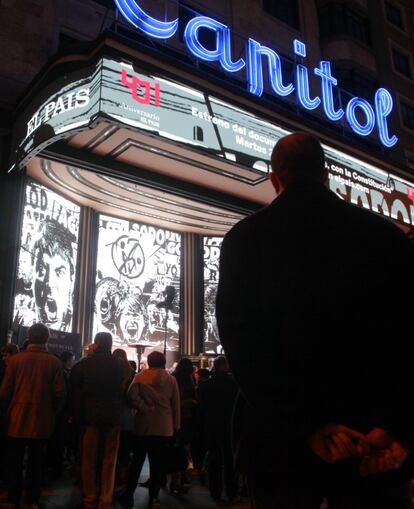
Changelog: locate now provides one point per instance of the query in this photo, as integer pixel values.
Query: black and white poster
(212, 247)
(135, 265)
(47, 260)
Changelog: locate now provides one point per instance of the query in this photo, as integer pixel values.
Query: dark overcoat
(314, 312)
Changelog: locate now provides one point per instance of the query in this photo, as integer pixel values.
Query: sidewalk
(63, 494)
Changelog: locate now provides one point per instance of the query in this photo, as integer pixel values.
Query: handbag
(175, 458)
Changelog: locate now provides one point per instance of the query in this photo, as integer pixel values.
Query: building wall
(32, 31)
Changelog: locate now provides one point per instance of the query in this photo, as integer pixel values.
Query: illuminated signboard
(183, 115)
(361, 116)
(68, 104)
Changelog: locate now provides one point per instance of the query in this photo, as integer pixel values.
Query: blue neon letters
(222, 52)
(359, 113)
(255, 70)
(150, 26)
(383, 107)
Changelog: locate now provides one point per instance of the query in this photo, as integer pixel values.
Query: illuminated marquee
(361, 116)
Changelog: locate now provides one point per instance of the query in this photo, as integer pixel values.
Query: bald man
(313, 310)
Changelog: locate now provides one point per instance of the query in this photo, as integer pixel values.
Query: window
(137, 268)
(401, 63)
(339, 19)
(185, 13)
(394, 15)
(407, 115)
(47, 260)
(409, 157)
(353, 81)
(285, 10)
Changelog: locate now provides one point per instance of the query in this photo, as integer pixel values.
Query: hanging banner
(211, 340)
(135, 265)
(46, 271)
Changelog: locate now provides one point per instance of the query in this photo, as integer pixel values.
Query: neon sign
(361, 116)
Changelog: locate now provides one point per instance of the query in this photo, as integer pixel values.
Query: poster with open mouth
(136, 263)
(47, 260)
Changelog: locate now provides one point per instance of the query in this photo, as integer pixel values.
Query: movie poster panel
(212, 247)
(138, 268)
(46, 271)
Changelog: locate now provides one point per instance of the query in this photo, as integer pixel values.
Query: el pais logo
(362, 116)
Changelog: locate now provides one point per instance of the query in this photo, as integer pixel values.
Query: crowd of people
(97, 420)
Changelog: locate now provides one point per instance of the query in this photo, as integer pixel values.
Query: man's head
(220, 365)
(121, 354)
(38, 334)
(53, 274)
(295, 157)
(156, 360)
(66, 358)
(8, 351)
(103, 342)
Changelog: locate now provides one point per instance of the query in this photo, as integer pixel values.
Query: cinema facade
(135, 160)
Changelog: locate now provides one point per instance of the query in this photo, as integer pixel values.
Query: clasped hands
(378, 451)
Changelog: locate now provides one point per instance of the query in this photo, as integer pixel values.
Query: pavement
(63, 494)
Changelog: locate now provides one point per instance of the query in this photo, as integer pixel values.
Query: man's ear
(274, 179)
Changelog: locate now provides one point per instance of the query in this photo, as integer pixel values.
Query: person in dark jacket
(98, 385)
(32, 391)
(216, 399)
(6, 353)
(61, 442)
(323, 289)
(184, 374)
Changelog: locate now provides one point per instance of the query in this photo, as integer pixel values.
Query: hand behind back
(378, 451)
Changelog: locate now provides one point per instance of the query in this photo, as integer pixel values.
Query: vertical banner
(47, 260)
(135, 265)
(212, 247)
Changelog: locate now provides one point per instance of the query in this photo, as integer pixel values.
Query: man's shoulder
(34, 355)
(247, 226)
(374, 224)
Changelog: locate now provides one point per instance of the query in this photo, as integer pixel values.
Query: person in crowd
(184, 374)
(217, 397)
(155, 396)
(127, 422)
(210, 363)
(60, 443)
(67, 359)
(198, 447)
(75, 410)
(133, 365)
(201, 376)
(6, 352)
(321, 289)
(32, 391)
(25, 344)
(98, 385)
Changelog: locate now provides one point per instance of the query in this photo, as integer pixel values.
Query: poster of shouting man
(47, 260)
